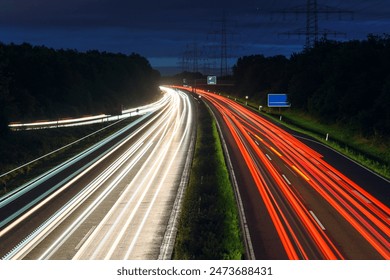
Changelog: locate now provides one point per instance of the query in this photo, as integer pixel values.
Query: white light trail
(158, 153)
(69, 122)
(104, 244)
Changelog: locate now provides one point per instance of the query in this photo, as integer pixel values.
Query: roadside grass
(209, 224)
(373, 153)
(20, 147)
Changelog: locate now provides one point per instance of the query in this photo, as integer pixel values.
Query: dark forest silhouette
(338, 82)
(37, 82)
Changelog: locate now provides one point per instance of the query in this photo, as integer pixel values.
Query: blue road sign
(211, 80)
(278, 100)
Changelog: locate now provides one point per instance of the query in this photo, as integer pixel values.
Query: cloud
(156, 28)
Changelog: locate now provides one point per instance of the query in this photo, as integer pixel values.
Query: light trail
(326, 249)
(104, 244)
(70, 122)
(363, 212)
(145, 110)
(149, 171)
(35, 204)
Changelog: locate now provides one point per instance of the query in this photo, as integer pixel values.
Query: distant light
(211, 80)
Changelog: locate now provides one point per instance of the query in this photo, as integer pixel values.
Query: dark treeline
(40, 82)
(338, 82)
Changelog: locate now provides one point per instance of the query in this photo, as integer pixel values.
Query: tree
(47, 83)
(344, 82)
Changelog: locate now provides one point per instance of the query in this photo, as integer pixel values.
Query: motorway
(297, 205)
(113, 201)
(88, 120)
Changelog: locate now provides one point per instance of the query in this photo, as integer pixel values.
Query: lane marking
(257, 143)
(292, 172)
(276, 152)
(285, 178)
(362, 196)
(70, 207)
(261, 139)
(146, 181)
(85, 238)
(317, 220)
(268, 157)
(38, 202)
(122, 191)
(330, 148)
(300, 173)
(315, 161)
(334, 176)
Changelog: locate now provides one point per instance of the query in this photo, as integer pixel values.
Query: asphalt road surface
(113, 201)
(297, 205)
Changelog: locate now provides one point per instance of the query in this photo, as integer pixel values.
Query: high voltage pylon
(218, 49)
(190, 58)
(224, 56)
(214, 55)
(312, 10)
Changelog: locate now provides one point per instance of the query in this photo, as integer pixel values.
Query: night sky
(163, 31)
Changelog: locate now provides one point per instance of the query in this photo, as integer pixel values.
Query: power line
(220, 46)
(190, 58)
(312, 31)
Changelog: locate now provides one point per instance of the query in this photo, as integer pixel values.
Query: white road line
(122, 191)
(84, 238)
(58, 191)
(145, 184)
(119, 217)
(334, 176)
(162, 180)
(268, 156)
(315, 161)
(171, 117)
(285, 178)
(361, 196)
(317, 220)
(81, 197)
(354, 161)
(42, 231)
(74, 175)
(257, 143)
(292, 172)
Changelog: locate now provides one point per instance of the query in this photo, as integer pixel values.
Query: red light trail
(299, 230)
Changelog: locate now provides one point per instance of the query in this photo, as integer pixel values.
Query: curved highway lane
(111, 202)
(297, 205)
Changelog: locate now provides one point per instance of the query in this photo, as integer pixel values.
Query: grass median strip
(209, 224)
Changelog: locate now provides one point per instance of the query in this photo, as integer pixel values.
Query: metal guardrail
(81, 121)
